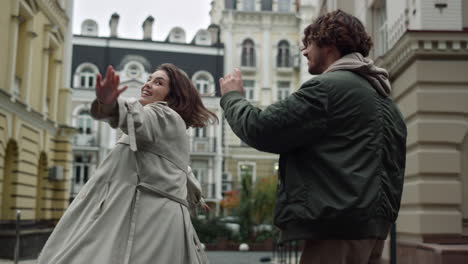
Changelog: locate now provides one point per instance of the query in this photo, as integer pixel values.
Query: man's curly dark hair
(341, 29)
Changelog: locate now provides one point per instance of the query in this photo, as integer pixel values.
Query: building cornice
(54, 12)
(26, 113)
(424, 45)
(146, 45)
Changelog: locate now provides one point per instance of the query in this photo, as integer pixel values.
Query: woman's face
(155, 89)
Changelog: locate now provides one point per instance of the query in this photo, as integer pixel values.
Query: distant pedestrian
(135, 208)
(342, 146)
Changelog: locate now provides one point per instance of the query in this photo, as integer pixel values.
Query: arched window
(249, 5)
(85, 76)
(248, 53)
(203, 37)
(10, 169)
(89, 27)
(204, 82)
(134, 69)
(177, 35)
(283, 58)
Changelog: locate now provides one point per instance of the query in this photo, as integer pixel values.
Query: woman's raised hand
(107, 90)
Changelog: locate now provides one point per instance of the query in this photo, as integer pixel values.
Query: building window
(284, 6)
(134, 69)
(247, 169)
(89, 28)
(249, 5)
(267, 5)
(227, 182)
(202, 85)
(200, 132)
(249, 86)
(283, 58)
(248, 53)
(283, 90)
(85, 76)
(82, 168)
(177, 35)
(84, 123)
(204, 82)
(230, 4)
(382, 33)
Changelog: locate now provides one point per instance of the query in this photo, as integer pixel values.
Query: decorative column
(28, 62)
(13, 46)
(45, 72)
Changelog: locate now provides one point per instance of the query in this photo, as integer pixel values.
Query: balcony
(84, 140)
(203, 145)
(209, 191)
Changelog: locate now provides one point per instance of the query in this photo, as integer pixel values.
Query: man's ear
(332, 51)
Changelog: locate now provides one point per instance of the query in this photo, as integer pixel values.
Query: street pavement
(236, 257)
(215, 257)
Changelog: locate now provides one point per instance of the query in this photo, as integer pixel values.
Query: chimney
(148, 28)
(113, 23)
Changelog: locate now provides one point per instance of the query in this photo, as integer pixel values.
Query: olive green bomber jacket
(342, 153)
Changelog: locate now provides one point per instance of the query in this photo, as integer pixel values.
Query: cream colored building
(35, 146)
(424, 46)
(263, 39)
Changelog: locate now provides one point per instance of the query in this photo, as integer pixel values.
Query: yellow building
(35, 136)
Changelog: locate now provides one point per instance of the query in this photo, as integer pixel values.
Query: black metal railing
(203, 145)
(287, 252)
(209, 190)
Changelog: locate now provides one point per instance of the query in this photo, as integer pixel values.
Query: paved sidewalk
(4, 261)
(215, 257)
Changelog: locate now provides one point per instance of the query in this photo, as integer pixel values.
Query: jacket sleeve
(284, 125)
(143, 123)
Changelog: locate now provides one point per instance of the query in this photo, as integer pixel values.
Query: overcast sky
(191, 15)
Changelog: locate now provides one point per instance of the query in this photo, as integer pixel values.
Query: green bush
(211, 230)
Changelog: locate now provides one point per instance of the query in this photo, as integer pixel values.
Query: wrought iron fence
(287, 252)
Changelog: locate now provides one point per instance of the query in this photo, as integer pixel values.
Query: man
(342, 146)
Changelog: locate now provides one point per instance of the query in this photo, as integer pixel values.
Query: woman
(135, 208)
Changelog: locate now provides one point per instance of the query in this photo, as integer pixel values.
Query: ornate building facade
(424, 46)
(35, 131)
(262, 39)
(134, 60)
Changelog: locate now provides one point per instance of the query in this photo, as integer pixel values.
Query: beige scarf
(355, 62)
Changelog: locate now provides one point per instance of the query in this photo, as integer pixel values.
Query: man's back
(347, 182)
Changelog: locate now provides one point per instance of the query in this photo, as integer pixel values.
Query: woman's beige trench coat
(134, 210)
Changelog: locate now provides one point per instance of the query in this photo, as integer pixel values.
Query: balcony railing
(209, 190)
(203, 145)
(85, 140)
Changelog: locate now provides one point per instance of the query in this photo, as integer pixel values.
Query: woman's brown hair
(341, 29)
(185, 99)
